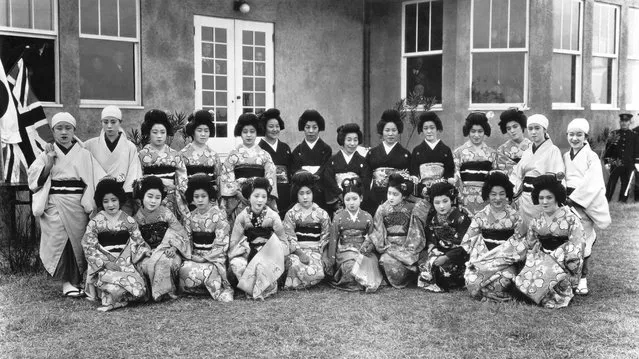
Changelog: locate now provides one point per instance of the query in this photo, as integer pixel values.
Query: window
(422, 50)
(109, 52)
(605, 51)
(566, 57)
(632, 77)
(499, 53)
(28, 29)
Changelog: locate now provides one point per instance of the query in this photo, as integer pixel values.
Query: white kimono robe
(584, 174)
(63, 216)
(123, 163)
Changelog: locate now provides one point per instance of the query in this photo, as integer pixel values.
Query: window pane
(247, 68)
(601, 80)
(20, 14)
(89, 19)
(221, 130)
(517, 23)
(220, 35)
(220, 98)
(247, 53)
(260, 68)
(423, 15)
(632, 86)
(260, 84)
(41, 66)
(4, 12)
(109, 17)
(220, 51)
(260, 99)
(633, 37)
(437, 20)
(556, 23)
(611, 39)
(260, 54)
(565, 26)
(107, 70)
(424, 77)
(260, 38)
(207, 33)
(220, 82)
(498, 78)
(128, 18)
(481, 18)
(208, 98)
(247, 37)
(499, 31)
(220, 67)
(43, 14)
(563, 78)
(221, 115)
(208, 66)
(207, 50)
(247, 83)
(410, 27)
(208, 82)
(576, 26)
(247, 99)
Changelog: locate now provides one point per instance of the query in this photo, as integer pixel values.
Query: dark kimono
(313, 161)
(431, 165)
(282, 158)
(381, 165)
(337, 170)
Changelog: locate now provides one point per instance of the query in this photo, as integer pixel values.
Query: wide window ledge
(567, 107)
(603, 107)
(494, 106)
(119, 105)
(51, 105)
(435, 108)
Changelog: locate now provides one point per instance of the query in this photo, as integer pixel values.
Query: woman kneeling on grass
(165, 235)
(555, 248)
(442, 263)
(209, 230)
(494, 242)
(113, 246)
(259, 243)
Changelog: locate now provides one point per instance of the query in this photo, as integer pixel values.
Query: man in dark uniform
(622, 153)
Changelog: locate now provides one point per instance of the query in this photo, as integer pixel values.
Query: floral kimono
(554, 259)
(399, 251)
(209, 234)
(471, 168)
(349, 235)
(204, 161)
(168, 165)
(116, 242)
(509, 154)
(310, 230)
(282, 159)
(161, 230)
(258, 248)
(496, 249)
(443, 239)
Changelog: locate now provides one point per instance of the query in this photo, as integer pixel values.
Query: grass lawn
(36, 321)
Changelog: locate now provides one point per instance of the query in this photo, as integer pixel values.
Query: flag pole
(2, 179)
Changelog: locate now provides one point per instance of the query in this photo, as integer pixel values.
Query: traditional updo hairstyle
(551, 184)
(390, 116)
(476, 118)
(200, 181)
(400, 183)
(303, 179)
(344, 130)
(200, 117)
(497, 179)
(512, 114)
(155, 117)
(429, 116)
(247, 119)
(311, 115)
(352, 185)
(443, 189)
(256, 183)
(271, 114)
(147, 183)
(105, 186)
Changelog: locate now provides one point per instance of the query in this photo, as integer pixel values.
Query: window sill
(51, 105)
(567, 107)
(120, 106)
(435, 108)
(603, 107)
(494, 106)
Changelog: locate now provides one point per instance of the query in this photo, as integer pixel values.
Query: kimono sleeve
(220, 249)
(270, 172)
(461, 223)
(139, 248)
(369, 228)
(472, 235)
(378, 234)
(40, 190)
(325, 223)
(96, 256)
(366, 174)
(238, 245)
(457, 160)
(331, 252)
(278, 229)
(331, 189)
(416, 227)
(91, 175)
(176, 236)
(449, 163)
(555, 162)
(591, 185)
(289, 226)
(228, 186)
(181, 178)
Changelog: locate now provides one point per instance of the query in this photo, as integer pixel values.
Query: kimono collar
(311, 144)
(432, 145)
(353, 216)
(535, 147)
(274, 146)
(388, 148)
(574, 154)
(347, 158)
(64, 149)
(255, 146)
(112, 145)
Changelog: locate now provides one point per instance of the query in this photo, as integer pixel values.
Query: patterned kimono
(204, 161)
(443, 238)
(430, 165)
(259, 245)
(120, 243)
(168, 165)
(282, 158)
(209, 233)
(242, 164)
(509, 154)
(554, 259)
(497, 249)
(471, 168)
(310, 230)
(381, 165)
(337, 170)
(349, 235)
(161, 230)
(400, 251)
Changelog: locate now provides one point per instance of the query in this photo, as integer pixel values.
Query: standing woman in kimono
(555, 248)
(513, 122)
(542, 157)
(473, 160)
(431, 161)
(387, 158)
(63, 179)
(259, 244)
(243, 164)
(346, 163)
(586, 190)
(116, 154)
(309, 226)
(494, 242)
(114, 247)
(280, 154)
(399, 251)
(158, 159)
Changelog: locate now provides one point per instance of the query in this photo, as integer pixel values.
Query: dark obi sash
(527, 185)
(445, 237)
(257, 237)
(153, 233)
(475, 171)
(208, 170)
(308, 232)
(203, 241)
(113, 241)
(162, 171)
(495, 237)
(550, 242)
(569, 190)
(246, 170)
(396, 224)
(516, 159)
(67, 187)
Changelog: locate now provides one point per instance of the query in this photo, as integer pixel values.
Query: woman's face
(258, 200)
(201, 134)
(429, 131)
(443, 205)
(497, 198)
(515, 131)
(394, 196)
(537, 133)
(201, 199)
(63, 133)
(352, 201)
(111, 126)
(249, 134)
(152, 199)
(158, 135)
(390, 133)
(548, 202)
(311, 131)
(476, 135)
(350, 143)
(576, 139)
(305, 197)
(272, 129)
(111, 204)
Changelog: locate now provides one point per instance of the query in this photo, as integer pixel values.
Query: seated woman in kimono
(259, 243)
(555, 248)
(473, 160)
(387, 158)
(165, 236)
(513, 122)
(208, 230)
(347, 163)
(244, 163)
(350, 242)
(441, 264)
(309, 226)
(113, 247)
(158, 159)
(495, 243)
(586, 190)
(281, 155)
(399, 251)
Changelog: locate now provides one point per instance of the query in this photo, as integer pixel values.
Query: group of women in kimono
(518, 221)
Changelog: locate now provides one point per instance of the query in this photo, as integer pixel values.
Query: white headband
(579, 124)
(538, 119)
(62, 117)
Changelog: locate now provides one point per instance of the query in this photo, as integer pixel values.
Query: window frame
(525, 50)
(405, 56)
(630, 58)
(577, 105)
(137, 102)
(615, 60)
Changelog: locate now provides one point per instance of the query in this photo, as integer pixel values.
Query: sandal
(74, 293)
(582, 288)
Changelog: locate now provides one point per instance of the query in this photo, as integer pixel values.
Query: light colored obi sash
(281, 174)
(311, 169)
(431, 172)
(339, 177)
(381, 174)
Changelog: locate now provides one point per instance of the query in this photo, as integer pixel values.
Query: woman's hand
(50, 151)
(170, 252)
(305, 259)
(441, 260)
